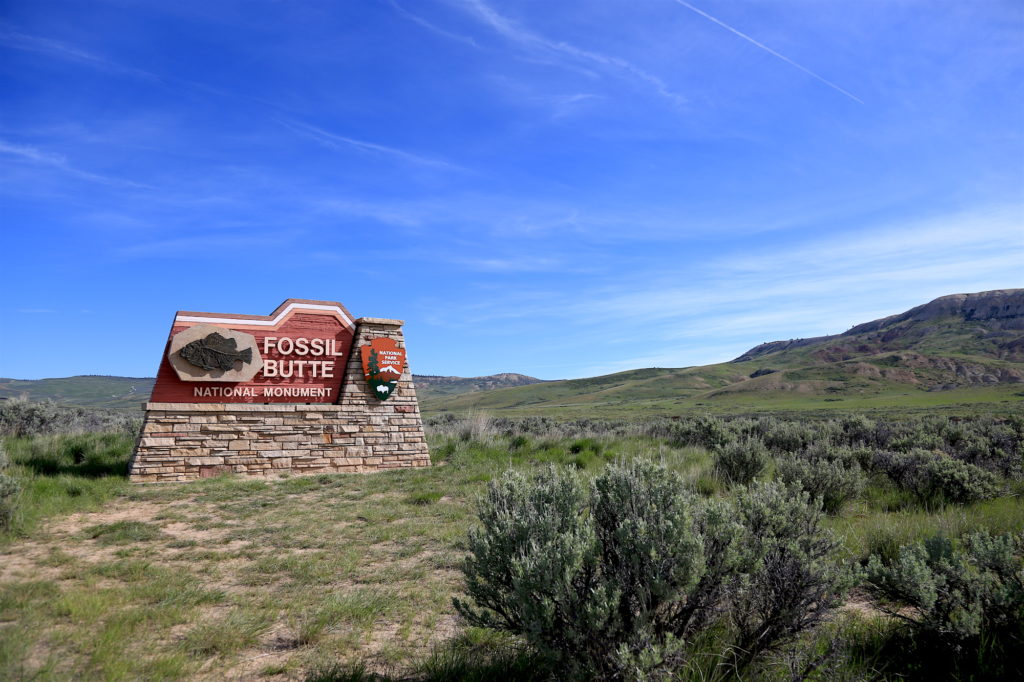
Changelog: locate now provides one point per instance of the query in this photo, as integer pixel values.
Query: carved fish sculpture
(215, 352)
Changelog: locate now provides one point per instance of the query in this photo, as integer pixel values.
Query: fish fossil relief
(215, 352)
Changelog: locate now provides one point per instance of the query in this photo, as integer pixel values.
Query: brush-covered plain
(333, 577)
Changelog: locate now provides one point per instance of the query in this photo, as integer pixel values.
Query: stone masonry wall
(186, 441)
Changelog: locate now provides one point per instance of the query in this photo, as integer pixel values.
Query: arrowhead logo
(383, 363)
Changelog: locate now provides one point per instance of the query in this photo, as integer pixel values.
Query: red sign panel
(297, 354)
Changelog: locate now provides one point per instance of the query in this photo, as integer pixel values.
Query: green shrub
(830, 475)
(9, 489)
(704, 431)
(533, 567)
(936, 480)
(586, 445)
(857, 429)
(784, 436)
(24, 418)
(619, 577)
(787, 581)
(741, 461)
(968, 602)
(948, 480)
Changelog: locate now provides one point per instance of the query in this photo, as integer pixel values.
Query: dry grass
(237, 579)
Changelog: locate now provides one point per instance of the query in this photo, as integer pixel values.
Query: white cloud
(704, 312)
(534, 42)
(334, 141)
(66, 51)
(59, 161)
(415, 18)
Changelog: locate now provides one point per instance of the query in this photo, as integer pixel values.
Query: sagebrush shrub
(857, 429)
(741, 461)
(704, 431)
(935, 479)
(785, 436)
(967, 601)
(830, 475)
(616, 577)
(24, 418)
(532, 568)
(948, 480)
(787, 580)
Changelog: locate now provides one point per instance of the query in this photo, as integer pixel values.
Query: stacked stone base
(186, 441)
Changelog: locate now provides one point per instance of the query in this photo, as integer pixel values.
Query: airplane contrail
(769, 50)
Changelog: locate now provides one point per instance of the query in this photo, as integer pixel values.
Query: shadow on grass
(87, 469)
(474, 656)
(63, 474)
(79, 456)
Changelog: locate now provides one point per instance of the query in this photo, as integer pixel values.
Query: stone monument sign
(306, 389)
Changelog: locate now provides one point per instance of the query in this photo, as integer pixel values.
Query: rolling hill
(107, 392)
(430, 386)
(128, 393)
(958, 349)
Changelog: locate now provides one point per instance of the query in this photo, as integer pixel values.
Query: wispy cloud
(415, 18)
(700, 312)
(205, 245)
(530, 40)
(389, 213)
(521, 263)
(62, 50)
(566, 105)
(769, 50)
(334, 141)
(60, 162)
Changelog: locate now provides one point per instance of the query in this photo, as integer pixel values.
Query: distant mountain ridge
(428, 385)
(128, 393)
(91, 390)
(1001, 310)
(956, 349)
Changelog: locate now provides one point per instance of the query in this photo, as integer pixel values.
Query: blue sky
(561, 189)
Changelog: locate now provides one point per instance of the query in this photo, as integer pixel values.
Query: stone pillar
(186, 441)
(393, 431)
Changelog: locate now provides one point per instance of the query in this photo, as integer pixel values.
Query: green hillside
(430, 386)
(128, 393)
(959, 350)
(116, 393)
(966, 349)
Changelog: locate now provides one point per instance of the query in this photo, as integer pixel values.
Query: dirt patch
(32, 559)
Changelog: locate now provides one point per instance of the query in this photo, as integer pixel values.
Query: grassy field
(662, 394)
(325, 576)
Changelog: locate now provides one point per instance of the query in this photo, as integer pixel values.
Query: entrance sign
(383, 363)
(297, 354)
(306, 389)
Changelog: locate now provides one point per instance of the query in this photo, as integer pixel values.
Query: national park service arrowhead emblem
(383, 363)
